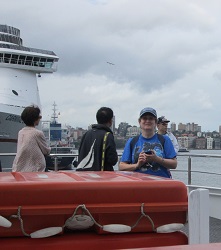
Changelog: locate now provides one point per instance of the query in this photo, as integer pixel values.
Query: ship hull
(18, 89)
(19, 68)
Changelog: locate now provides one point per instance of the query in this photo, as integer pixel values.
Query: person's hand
(150, 156)
(141, 159)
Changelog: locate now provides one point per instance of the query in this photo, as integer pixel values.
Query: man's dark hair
(30, 114)
(104, 115)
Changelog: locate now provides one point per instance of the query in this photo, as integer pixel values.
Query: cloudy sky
(166, 55)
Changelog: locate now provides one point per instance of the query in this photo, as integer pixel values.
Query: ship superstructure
(20, 67)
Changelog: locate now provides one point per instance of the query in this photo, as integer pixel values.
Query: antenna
(54, 115)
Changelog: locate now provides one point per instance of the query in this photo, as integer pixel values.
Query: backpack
(135, 139)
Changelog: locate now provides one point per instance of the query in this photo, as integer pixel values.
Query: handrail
(189, 164)
(199, 155)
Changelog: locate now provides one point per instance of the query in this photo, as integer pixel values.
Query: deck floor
(215, 230)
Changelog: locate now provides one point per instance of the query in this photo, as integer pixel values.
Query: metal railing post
(189, 171)
(55, 163)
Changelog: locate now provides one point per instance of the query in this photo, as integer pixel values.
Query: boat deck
(215, 230)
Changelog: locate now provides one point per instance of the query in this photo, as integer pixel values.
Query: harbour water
(201, 165)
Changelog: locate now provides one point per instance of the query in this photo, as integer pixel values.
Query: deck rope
(83, 207)
(146, 216)
(18, 216)
(85, 210)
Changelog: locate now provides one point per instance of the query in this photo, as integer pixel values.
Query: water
(202, 164)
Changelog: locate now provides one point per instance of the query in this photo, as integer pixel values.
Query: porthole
(14, 92)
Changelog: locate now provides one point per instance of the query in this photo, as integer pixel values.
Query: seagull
(110, 63)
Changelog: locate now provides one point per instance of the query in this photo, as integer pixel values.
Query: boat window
(42, 62)
(14, 59)
(21, 59)
(28, 60)
(36, 61)
(49, 63)
(7, 58)
(43, 59)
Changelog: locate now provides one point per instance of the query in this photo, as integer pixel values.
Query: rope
(18, 216)
(85, 210)
(83, 207)
(146, 216)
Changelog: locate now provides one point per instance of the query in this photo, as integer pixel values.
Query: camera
(148, 152)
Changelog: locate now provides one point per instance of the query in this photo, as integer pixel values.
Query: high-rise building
(173, 127)
(181, 127)
(220, 130)
(193, 127)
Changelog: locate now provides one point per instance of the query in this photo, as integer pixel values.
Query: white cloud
(166, 55)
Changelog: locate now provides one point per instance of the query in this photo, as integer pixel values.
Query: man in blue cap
(149, 153)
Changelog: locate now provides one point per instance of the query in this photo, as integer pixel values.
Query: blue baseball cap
(148, 110)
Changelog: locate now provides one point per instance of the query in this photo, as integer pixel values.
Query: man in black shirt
(97, 148)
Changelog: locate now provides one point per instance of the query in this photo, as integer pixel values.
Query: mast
(54, 116)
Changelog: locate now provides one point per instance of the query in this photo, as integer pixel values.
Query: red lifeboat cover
(48, 199)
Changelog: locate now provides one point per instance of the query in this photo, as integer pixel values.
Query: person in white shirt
(162, 125)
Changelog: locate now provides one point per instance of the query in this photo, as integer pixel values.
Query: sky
(166, 54)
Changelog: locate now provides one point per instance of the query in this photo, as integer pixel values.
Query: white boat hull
(19, 67)
(18, 89)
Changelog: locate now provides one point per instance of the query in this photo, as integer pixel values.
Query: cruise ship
(20, 68)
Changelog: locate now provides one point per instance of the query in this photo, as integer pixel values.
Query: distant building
(173, 127)
(122, 128)
(191, 141)
(220, 130)
(181, 127)
(192, 127)
(215, 134)
(216, 143)
(200, 143)
(189, 127)
(133, 131)
(183, 142)
(199, 134)
(209, 143)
